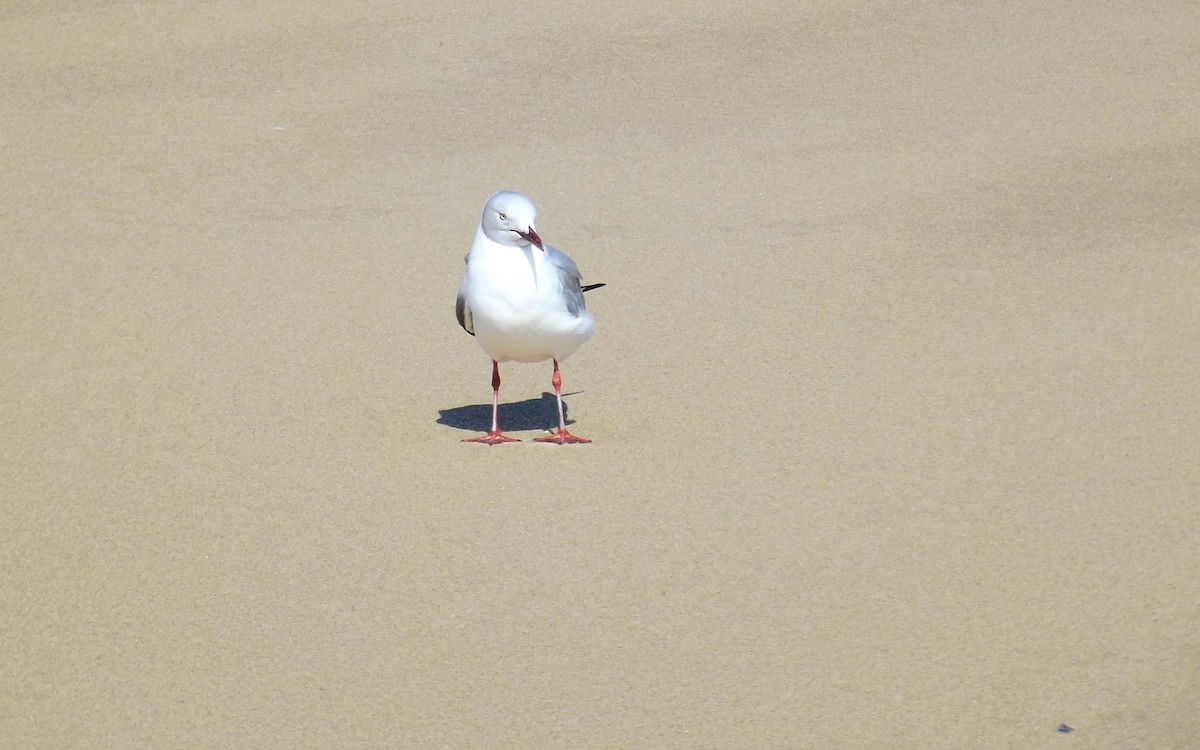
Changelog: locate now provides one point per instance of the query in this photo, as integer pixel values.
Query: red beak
(532, 238)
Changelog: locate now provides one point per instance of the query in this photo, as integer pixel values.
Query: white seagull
(522, 301)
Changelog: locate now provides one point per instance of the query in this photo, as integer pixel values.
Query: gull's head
(508, 219)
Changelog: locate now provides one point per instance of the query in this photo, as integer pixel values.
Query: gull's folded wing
(461, 311)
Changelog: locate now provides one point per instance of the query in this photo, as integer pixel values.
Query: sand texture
(895, 390)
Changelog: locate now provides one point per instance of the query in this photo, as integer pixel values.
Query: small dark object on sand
(1065, 729)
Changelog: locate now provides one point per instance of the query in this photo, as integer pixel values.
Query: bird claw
(492, 438)
(562, 437)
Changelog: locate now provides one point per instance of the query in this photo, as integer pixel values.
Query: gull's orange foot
(492, 438)
(562, 437)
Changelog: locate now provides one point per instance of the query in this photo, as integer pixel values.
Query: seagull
(522, 301)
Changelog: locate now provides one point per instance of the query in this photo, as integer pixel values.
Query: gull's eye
(502, 216)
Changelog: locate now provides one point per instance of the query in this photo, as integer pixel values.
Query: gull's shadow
(530, 414)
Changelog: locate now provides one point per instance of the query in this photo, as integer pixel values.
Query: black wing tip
(461, 312)
(590, 287)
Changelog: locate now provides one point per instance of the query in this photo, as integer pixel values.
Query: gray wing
(568, 279)
(460, 307)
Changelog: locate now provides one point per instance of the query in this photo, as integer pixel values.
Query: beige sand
(894, 395)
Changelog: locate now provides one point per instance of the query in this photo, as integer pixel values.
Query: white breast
(518, 307)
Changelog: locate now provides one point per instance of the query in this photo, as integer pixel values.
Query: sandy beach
(894, 393)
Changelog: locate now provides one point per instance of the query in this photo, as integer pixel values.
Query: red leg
(562, 437)
(495, 436)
